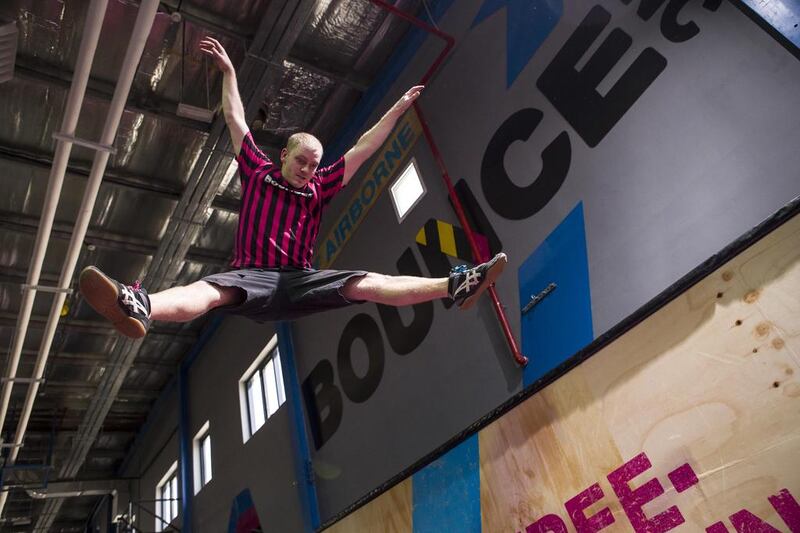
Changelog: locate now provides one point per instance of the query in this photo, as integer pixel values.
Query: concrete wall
(700, 146)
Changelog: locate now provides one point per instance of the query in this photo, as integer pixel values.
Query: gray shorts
(285, 293)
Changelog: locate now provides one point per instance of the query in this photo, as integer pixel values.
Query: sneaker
(126, 306)
(466, 284)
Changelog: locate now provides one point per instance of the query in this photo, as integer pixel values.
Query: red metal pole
(498, 306)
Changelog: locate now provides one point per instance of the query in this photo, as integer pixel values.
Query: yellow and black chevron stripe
(449, 239)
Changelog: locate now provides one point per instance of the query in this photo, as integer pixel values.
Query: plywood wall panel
(390, 512)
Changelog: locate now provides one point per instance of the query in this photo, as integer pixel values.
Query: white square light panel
(407, 190)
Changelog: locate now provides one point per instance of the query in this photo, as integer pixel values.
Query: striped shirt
(276, 226)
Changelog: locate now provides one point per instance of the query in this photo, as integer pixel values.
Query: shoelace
(460, 269)
(130, 300)
(137, 286)
(471, 280)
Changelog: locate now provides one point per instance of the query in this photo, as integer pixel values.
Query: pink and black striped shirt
(276, 226)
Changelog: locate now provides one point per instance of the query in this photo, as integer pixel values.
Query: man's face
(299, 164)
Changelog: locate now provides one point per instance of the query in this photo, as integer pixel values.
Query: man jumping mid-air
(279, 219)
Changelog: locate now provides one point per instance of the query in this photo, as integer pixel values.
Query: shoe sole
(101, 293)
(492, 274)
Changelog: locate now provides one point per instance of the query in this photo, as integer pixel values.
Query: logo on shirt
(270, 180)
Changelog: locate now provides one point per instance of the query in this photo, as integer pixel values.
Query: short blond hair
(303, 138)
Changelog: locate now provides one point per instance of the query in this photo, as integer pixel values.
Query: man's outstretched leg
(131, 309)
(464, 285)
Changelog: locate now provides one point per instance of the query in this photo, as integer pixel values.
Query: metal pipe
(186, 462)
(462, 218)
(498, 306)
(91, 35)
(83, 66)
(309, 502)
(141, 31)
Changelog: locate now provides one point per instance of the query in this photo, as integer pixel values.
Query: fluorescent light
(195, 113)
(8, 50)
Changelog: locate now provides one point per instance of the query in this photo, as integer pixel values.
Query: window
(202, 458)
(261, 390)
(407, 190)
(167, 498)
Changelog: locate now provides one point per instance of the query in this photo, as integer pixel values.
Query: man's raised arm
(231, 101)
(369, 143)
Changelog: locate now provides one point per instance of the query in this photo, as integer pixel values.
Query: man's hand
(231, 101)
(406, 100)
(370, 142)
(212, 48)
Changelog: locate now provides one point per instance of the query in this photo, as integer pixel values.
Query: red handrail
(498, 306)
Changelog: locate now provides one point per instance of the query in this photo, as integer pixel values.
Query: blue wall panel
(447, 493)
(561, 323)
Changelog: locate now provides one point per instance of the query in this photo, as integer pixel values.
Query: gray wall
(264, 464)
(151, 460)
(707, 151)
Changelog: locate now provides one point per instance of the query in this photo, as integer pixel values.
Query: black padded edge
(764, 25)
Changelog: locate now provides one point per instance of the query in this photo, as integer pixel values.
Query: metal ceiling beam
(269, 143)
(83, 326)
(101, 359)
(222, 26)
(73, 431)
(43, 446)
(106, 453)
(60, 525)
(95, 359)
(134, 414)
(130, 415)
(373, 43)
(40, 73)
(349, 79)
(8, 319)
(19, 276)
(113, 177)
(29, 224)
(212, 21)
(66, 433)
(82, 168)
(64, 388)
(47, 75)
